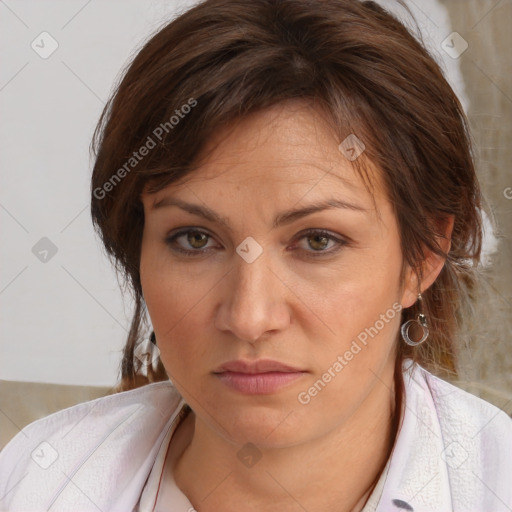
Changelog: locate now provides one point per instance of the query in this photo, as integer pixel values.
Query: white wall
(64, 320)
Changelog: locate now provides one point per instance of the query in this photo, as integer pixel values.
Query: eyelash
(170, 241)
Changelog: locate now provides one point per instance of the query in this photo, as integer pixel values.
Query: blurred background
(63, 318)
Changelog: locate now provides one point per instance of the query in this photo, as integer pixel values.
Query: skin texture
(288, 306)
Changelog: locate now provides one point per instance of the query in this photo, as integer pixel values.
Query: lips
(260, 377)
(258, 366)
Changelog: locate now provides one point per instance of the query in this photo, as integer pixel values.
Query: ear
(431, 266)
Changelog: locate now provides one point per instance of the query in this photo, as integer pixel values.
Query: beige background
(486, 364)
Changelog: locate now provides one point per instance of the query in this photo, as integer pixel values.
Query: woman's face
(276, 318)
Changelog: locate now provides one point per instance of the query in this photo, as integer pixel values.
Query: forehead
(287, 150)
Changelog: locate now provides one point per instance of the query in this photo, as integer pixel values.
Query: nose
(254, 300)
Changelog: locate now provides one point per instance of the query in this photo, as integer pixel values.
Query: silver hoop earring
(421, 320)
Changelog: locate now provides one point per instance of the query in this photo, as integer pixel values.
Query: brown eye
(191, 242)
(197, 239)
(318, 242)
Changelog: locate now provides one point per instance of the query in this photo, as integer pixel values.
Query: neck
(335, 472)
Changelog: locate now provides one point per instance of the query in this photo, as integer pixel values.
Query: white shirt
(453, 453)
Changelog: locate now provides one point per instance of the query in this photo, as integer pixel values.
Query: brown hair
(352, 59)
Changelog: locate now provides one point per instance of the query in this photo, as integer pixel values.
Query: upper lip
(258, 366)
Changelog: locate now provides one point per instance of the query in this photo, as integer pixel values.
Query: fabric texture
(452, 454)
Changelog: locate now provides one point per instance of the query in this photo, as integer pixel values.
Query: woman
(288, 188)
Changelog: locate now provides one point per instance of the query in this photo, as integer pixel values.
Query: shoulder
(457, 409)
(146, 399)
(475, 443)
(80, 439)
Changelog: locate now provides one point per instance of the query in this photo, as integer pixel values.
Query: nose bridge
(250, 279)
(254, 302)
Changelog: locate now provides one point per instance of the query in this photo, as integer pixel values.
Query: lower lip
(258, 383)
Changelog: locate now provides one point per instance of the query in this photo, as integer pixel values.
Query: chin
(264, 426)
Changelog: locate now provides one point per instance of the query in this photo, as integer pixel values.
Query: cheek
(364, 328)
(169, 289)
(176, 302)
(359, 291)
(360, 305)
(364, 316)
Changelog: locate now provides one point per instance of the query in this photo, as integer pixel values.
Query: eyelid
(171, 238)
(339, 240)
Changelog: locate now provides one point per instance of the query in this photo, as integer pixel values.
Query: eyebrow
(282, 218)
